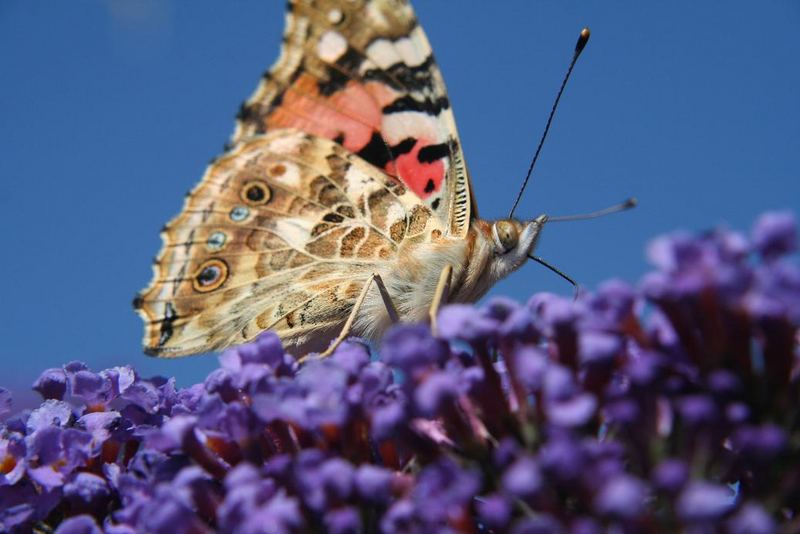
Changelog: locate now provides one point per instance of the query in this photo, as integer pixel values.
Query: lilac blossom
(671, 406)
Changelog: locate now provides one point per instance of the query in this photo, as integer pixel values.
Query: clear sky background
(110, 110)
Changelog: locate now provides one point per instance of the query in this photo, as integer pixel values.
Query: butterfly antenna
(579, 46)
(556, 270)
(616, 208)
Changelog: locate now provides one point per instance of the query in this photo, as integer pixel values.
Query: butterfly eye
(256, 192)
(505, 236)
(210, 275)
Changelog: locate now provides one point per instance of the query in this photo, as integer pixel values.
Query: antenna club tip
(583, 38)
(631, 202)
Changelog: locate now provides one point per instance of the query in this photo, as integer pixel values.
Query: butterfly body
(477, 264)
(345, 164)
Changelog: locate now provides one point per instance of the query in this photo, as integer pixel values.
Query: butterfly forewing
(363, 74)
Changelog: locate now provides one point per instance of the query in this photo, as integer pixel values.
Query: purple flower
(572, 412)
(80, 524)
(622, 497)
(562, 458)
(775, 234)
(51, 384)
(494, 511)
(737, 412)
(697, 410)
(168, 513)
(265, 350)
(53, 453)
(703, 501)
(624, 411)
(530, 364)
(597, 348)
(762, 443)
(539, 524)
(400, 517)
(246, 492)
(437, 389)
(388, 418)
(443, 491)
(612, 307)
(751, 519)
(87, 493)
(280, 511)
(517, 321)
(559, 383)
(724, 384)
(100, 425)
(669, 253)
(412, 349)
(50, 413)
(323, 483)
(345, 520)
(12, 456)
(585, 525)
(172, 435)
(670, 475)
(352, 357)
(523, 478)
(461, 321)
(374, 484)
(90, 387)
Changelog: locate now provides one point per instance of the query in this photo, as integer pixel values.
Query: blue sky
(111, 110)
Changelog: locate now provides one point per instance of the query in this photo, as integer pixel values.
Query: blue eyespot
(239, 213)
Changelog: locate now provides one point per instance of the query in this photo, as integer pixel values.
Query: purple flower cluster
(671, 407)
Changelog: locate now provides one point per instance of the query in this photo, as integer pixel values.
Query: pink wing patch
(353, 117)
(422, 177)
(349, 116)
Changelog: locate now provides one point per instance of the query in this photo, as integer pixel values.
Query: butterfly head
(512, 242)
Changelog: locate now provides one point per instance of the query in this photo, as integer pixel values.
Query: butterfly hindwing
(281, 233)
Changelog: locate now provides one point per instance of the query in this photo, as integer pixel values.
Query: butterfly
(343, 203)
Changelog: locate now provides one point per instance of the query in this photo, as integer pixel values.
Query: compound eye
(505, 236)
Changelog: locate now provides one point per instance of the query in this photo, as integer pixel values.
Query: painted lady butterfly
(342, 205)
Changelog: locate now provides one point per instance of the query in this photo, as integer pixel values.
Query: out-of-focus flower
(80, 524)
(775, 234)
(628, 410)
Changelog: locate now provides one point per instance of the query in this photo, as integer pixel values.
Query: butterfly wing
(362, 73)
(346, 150)
(282, 233)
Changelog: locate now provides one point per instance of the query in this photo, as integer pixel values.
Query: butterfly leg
(441, 295)
(348, 325)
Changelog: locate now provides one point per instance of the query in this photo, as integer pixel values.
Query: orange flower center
(8, 464)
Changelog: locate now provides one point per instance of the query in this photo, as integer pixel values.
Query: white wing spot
(331, 46)
(290, 176)
(398, 126)
(383, 54)
(289, 144)
(396, 213)
(357, 182)
(410, 50)
(293, 230)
